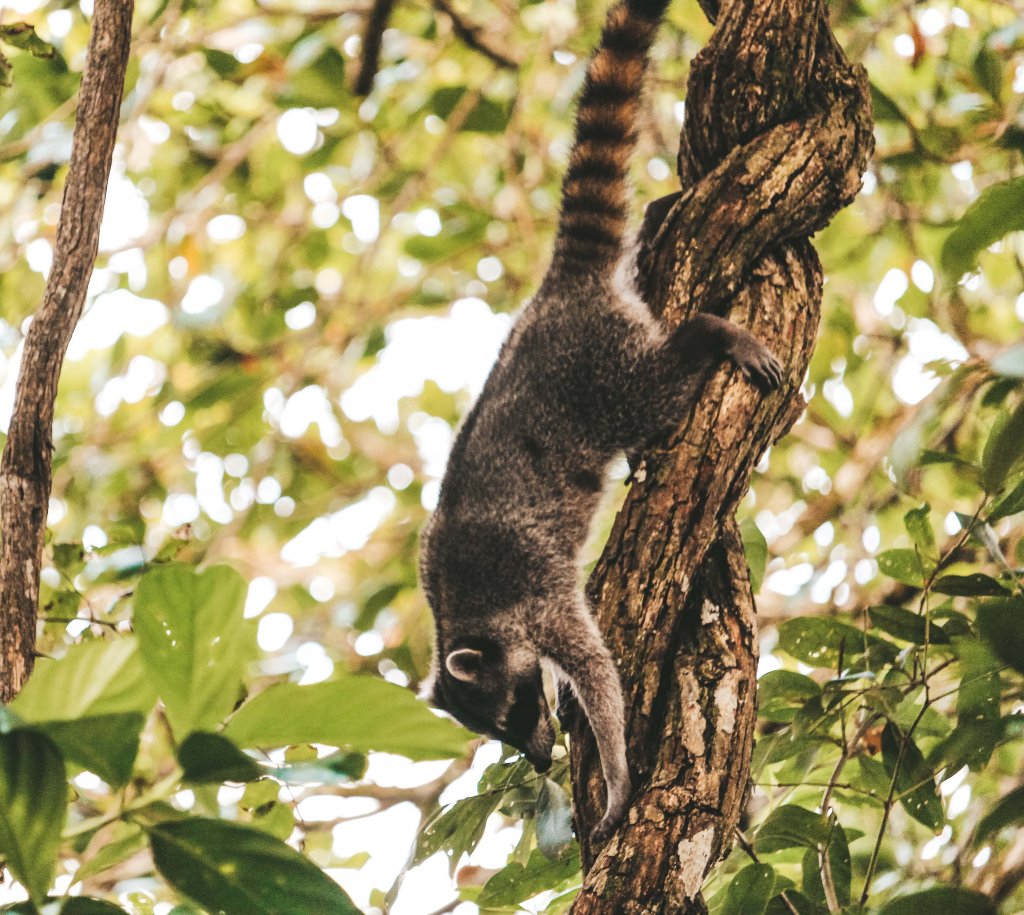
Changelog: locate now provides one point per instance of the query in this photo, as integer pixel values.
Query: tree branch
(26, 466)
(777, 135)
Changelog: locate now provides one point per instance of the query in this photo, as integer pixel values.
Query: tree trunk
(777, 135)
(26, 465)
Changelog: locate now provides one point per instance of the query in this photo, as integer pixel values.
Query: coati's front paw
(757, 364)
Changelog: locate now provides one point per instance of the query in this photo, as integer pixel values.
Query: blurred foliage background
(298, 293)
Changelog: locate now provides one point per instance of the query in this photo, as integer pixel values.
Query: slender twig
(472, 36)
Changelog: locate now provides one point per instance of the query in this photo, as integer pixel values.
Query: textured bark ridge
(26, 465)
(777, 135)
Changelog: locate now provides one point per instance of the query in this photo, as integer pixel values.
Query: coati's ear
(465, 664)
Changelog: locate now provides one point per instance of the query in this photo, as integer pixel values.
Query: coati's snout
(499, 694)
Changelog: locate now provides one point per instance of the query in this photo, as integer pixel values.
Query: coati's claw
(760, 366)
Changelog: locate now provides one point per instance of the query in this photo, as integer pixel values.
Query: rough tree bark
(777, 135)
(26, 465)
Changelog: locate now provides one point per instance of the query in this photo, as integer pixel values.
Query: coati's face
(499, 694)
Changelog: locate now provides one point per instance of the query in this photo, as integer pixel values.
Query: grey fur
(586, 374)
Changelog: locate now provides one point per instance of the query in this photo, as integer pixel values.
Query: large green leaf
(750, 890)
(195, 642)
(998, 210)
(756, 548)
(1001, 623)
(104, 744)
(95, 678)
(517, 882)
(33, 807)
(362, 713)
(949, 899)
(790, 826)
(65, 905)
(903, 565)
(554, 820)
(821, 641)
(782, 693)
(212, 758)
(238, 870)
(910, 627)
(1004, 449)
(915, 781)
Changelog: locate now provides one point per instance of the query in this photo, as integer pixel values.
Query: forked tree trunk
(777, 135)
(26, 466)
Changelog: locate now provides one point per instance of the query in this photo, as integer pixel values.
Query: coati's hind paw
(757, 364)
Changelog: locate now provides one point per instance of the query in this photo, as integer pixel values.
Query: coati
(586, 373)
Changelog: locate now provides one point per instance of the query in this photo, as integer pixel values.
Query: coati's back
(531, 450)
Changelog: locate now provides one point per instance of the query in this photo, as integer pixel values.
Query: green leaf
(980, 690)
(1001, 623)
(65, 905)
(998, 210)
(94, 678)
(750, 890)
(949, 899)
(1003, 449)
(920, 529)
(756, 548)
(212, 758)
(838, 851)
(819, 641)
(781, 693)
(905, 625)
(33, 807)
(1010, 504)
(515, 882)
(915, 781)
(790, 826)
(554, 820)
(362, 713)
(885, 109)
(971, 743)
(104, 744)
(903, 565)
(973, 585)
(194, 640)
(240, 870)
(22, 35)
(1007, 811)
(458, 829)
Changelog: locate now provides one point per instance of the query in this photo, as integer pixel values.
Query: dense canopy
(299, 290)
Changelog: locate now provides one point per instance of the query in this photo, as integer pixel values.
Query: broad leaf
(33, 799)
(782, 693)
(515, 882)
(104, 744)
(1001, 623)
(65, 905)
(195, 643)
(949, 899)
(361, 713)
(95, 678)
(1004, 449)
(903, 565)
(973, 585)
(750, 890)
(213, 758)
(998, 210)
(915, 781)
(756, 548)
(790, 826)
(238, 870)
(820, 641)
(112, 848)
(905, 625)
